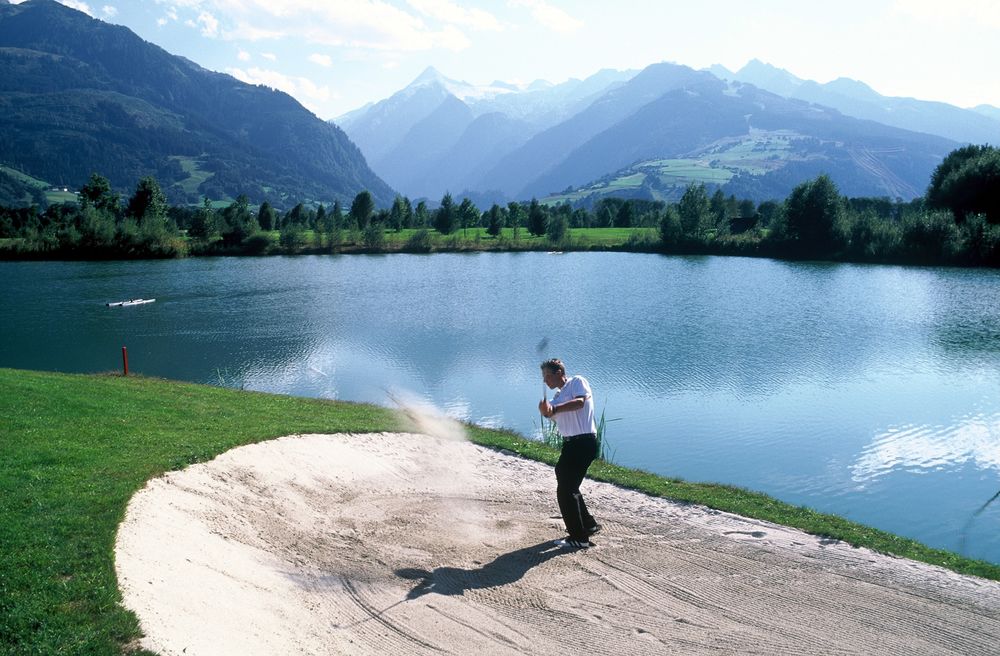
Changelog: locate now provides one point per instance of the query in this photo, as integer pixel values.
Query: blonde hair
(554, 365)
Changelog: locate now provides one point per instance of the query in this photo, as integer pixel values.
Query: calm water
(872, 392)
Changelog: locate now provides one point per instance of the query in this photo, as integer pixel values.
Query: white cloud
(449, 12)
(246, 32)
(209, 24)
(549, 15)
(76, 4)
(109, 11)
(270, 56)
(243, 55)
(302, 88)
(933, 12)
(322, 60)
(356, 24)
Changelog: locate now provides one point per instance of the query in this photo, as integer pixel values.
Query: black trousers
(577, 454)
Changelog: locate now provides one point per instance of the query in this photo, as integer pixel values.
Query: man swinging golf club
(572, 408)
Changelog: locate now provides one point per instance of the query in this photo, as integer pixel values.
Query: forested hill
(78, 95)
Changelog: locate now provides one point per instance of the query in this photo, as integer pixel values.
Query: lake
(872, 392)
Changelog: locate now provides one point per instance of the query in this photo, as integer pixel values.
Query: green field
(477, 239)
(755, 153)
(76, 448)
(24, 178)
(192, 166)
(52, 195)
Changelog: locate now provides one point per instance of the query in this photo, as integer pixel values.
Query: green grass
(716, 164)
(76, 448)
(192, 166)
(54, 197)
(24, 178)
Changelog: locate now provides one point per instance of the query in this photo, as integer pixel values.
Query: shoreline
(121, 433)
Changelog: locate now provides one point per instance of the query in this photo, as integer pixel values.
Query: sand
(409, 544)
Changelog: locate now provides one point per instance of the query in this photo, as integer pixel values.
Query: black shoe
(594, 530)
(569, 543)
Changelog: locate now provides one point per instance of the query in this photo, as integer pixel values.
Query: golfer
(572, 408)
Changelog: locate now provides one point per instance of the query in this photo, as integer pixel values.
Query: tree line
(956, 222)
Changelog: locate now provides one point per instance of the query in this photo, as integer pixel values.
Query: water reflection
(919, 449)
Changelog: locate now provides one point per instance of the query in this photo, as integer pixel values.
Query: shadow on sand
(503, 570)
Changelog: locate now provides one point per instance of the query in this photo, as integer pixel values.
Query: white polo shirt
(579, 421)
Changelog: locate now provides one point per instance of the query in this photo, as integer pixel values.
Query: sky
(334, 56)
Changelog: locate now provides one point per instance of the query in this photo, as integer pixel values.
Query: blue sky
(336, 55)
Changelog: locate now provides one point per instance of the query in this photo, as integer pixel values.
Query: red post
(125, 359)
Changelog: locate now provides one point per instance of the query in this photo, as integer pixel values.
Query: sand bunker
(407, 544)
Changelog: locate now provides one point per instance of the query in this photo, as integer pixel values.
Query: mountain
(403, 166)
(416, 138)
(988, 110)
(857, 99)
(78, 95)
(517, 171)
(749, 142)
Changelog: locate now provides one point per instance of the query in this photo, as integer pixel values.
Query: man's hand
(545, 408)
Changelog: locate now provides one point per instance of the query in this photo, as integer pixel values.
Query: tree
(968, 182)
(266, 216)
(623, 218)
(605, 215)
(97, 193)
(494, 221)
(205, 225)
(148, 202)
(374, 237)
(536, 218)
(557, 228)
(337, 212)
(407, 213)
(468, 214)
(513, 214)
(717, 209)
(397, 214)
(693, 210)
(814, 216)
(421, 216)
(445, 218)
(293, 236)
(768, 212)
(238, 222)
(321, 222)
(362, 209)
(671, 230)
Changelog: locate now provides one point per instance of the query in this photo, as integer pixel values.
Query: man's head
(553, 373)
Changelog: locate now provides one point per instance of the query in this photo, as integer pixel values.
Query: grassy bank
(76, 448)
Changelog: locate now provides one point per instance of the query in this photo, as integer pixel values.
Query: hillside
(78, 95)
(752, 143)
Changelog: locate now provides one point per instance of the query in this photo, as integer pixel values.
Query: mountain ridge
(779, 138)
(80, 95)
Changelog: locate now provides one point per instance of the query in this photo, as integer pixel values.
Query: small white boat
(131, 301)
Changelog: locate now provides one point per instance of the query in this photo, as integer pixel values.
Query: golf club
(540, 351)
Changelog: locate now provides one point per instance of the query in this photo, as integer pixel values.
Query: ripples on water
(867, 391)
